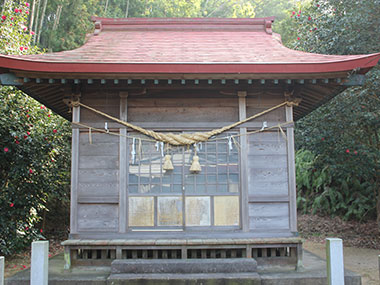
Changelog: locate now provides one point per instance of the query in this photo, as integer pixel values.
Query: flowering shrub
(15, 36)
(34, 166)
(34, 148)
(340, 140)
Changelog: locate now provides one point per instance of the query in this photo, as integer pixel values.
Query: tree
(344, 134)
(34, 147)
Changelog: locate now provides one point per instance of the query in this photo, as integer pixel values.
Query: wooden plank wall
(268, 186)
(98, 173)
(98, 162)
(268, 182)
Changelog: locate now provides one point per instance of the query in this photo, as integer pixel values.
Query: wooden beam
(74, 173)
(243, 163)
(291, 172)
(123, 166)
(354, 80)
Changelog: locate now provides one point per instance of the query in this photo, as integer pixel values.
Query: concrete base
(183, 266)
(185, 279)
(313, 273)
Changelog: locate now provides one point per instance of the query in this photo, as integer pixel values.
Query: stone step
(185, 279)
(183, 266)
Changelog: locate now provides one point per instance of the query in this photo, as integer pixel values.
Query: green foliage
(15, 36)
(34, 149)
(321, 190)
(34, 163)
(344, 134)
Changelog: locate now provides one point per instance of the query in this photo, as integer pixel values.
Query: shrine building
(183, 136)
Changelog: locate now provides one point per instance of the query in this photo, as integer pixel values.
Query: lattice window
(160, 198)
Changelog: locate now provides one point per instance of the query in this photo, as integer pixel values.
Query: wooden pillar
(291, 172)
(243, 163)
(123, 169)
(74, 172)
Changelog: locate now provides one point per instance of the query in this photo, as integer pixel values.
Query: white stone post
(39, 268)
(334, 256)
(2, 266)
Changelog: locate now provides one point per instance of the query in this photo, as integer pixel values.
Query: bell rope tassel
(195, 166)
(168, 165)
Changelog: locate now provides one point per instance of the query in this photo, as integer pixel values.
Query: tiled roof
(186, 46)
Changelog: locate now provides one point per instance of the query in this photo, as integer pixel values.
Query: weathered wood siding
(182, 109)
(99, 163)
(98, 191)
(268, 182)
(98, 174)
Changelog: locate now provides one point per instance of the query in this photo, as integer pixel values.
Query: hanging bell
(168, 165)
(195, 166)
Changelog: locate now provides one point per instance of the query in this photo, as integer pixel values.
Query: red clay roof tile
(186, 46)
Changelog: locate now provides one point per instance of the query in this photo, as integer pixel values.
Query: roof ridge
(263, 24)
(182, 21)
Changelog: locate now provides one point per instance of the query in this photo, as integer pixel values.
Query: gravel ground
(361, 245)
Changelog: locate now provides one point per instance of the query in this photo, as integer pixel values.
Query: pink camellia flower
(25, 28)
(25, 137)
(27, 12)
(30, 171)
(26, 228)
(347, 151)
(55, 131)
(3, 17)
(11, 205)
(16, 10)
(12, 19)
(32, 33)
(17, 142)
(298, 38)
(41, 231)
(24, 266)
(28, 133)
(309, 18)
(49, 115)
(26, 48)
(21, 48)
(293, 12)
(19, 10)
(6, 149)
(27, 4)
(298, 15)
(355, 152)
